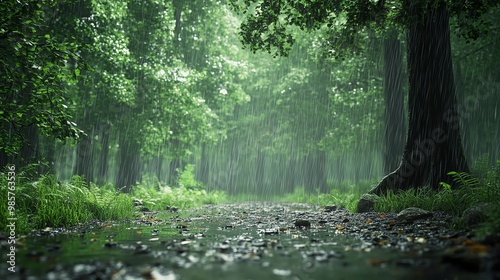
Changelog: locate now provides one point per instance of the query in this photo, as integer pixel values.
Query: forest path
(256, 241)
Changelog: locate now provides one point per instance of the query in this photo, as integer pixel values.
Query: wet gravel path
(259, 241)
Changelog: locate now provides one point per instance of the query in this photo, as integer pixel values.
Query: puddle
(221, 242)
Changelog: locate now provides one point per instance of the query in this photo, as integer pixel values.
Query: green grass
(159, 198)
(480, 187)
(46, 202)
(345, 194)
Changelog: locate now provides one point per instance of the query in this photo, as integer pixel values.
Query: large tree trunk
(433, 145)
(394, 102)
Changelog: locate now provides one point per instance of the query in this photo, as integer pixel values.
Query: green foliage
(49, 203)
(164, 197)
(186, 178)
(473, 190)
(33, 74)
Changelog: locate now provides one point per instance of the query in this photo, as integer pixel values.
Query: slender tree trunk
(48, 154)
(394, 102)
(260, 171)
(203, 174)
(174, 168)
(29, 153)
(84, 164)
(102, 172)
(290, 174)
(178, 6)
(130, 167)
(232, 168)
(175, 165)
(315, 171)
(433, 145)
(159, 167)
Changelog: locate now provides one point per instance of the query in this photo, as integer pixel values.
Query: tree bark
(290, 173)
(394, 102)
(433, 145)
(203, 174)
(129, 170)
(102, 172)
(84, 165)
(260, 171)
(315, 172)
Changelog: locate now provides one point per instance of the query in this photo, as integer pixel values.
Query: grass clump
(47, 202)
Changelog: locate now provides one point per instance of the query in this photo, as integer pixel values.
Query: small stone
(412, 214)
(302, 223)
(476, 214)
(330, 208)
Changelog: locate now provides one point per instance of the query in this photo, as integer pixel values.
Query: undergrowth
(480, 187)
(345, 194)
(43, 201)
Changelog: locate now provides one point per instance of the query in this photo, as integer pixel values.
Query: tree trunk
(204, 165)
(315, 172)
(48, 153)
(394, 102)
(178, 6)
(232, 168)
(433, 146)
(84, 165)
(102, 172)
(173, 174)
(290, 174)
(260, 171)
(129, 169)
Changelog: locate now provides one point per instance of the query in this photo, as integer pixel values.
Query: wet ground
(256, 241)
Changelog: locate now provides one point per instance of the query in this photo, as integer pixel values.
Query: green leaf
(77, 72)
(47, 36)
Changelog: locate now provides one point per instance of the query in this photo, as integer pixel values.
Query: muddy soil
(256, 241)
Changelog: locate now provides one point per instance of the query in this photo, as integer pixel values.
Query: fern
(464, 179)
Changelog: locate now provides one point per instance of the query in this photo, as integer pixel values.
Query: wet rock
(476, 214)
(366, 203)
(412, 214)
(141, 249)
(330, 208)
(302, 224)
(110, 244)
